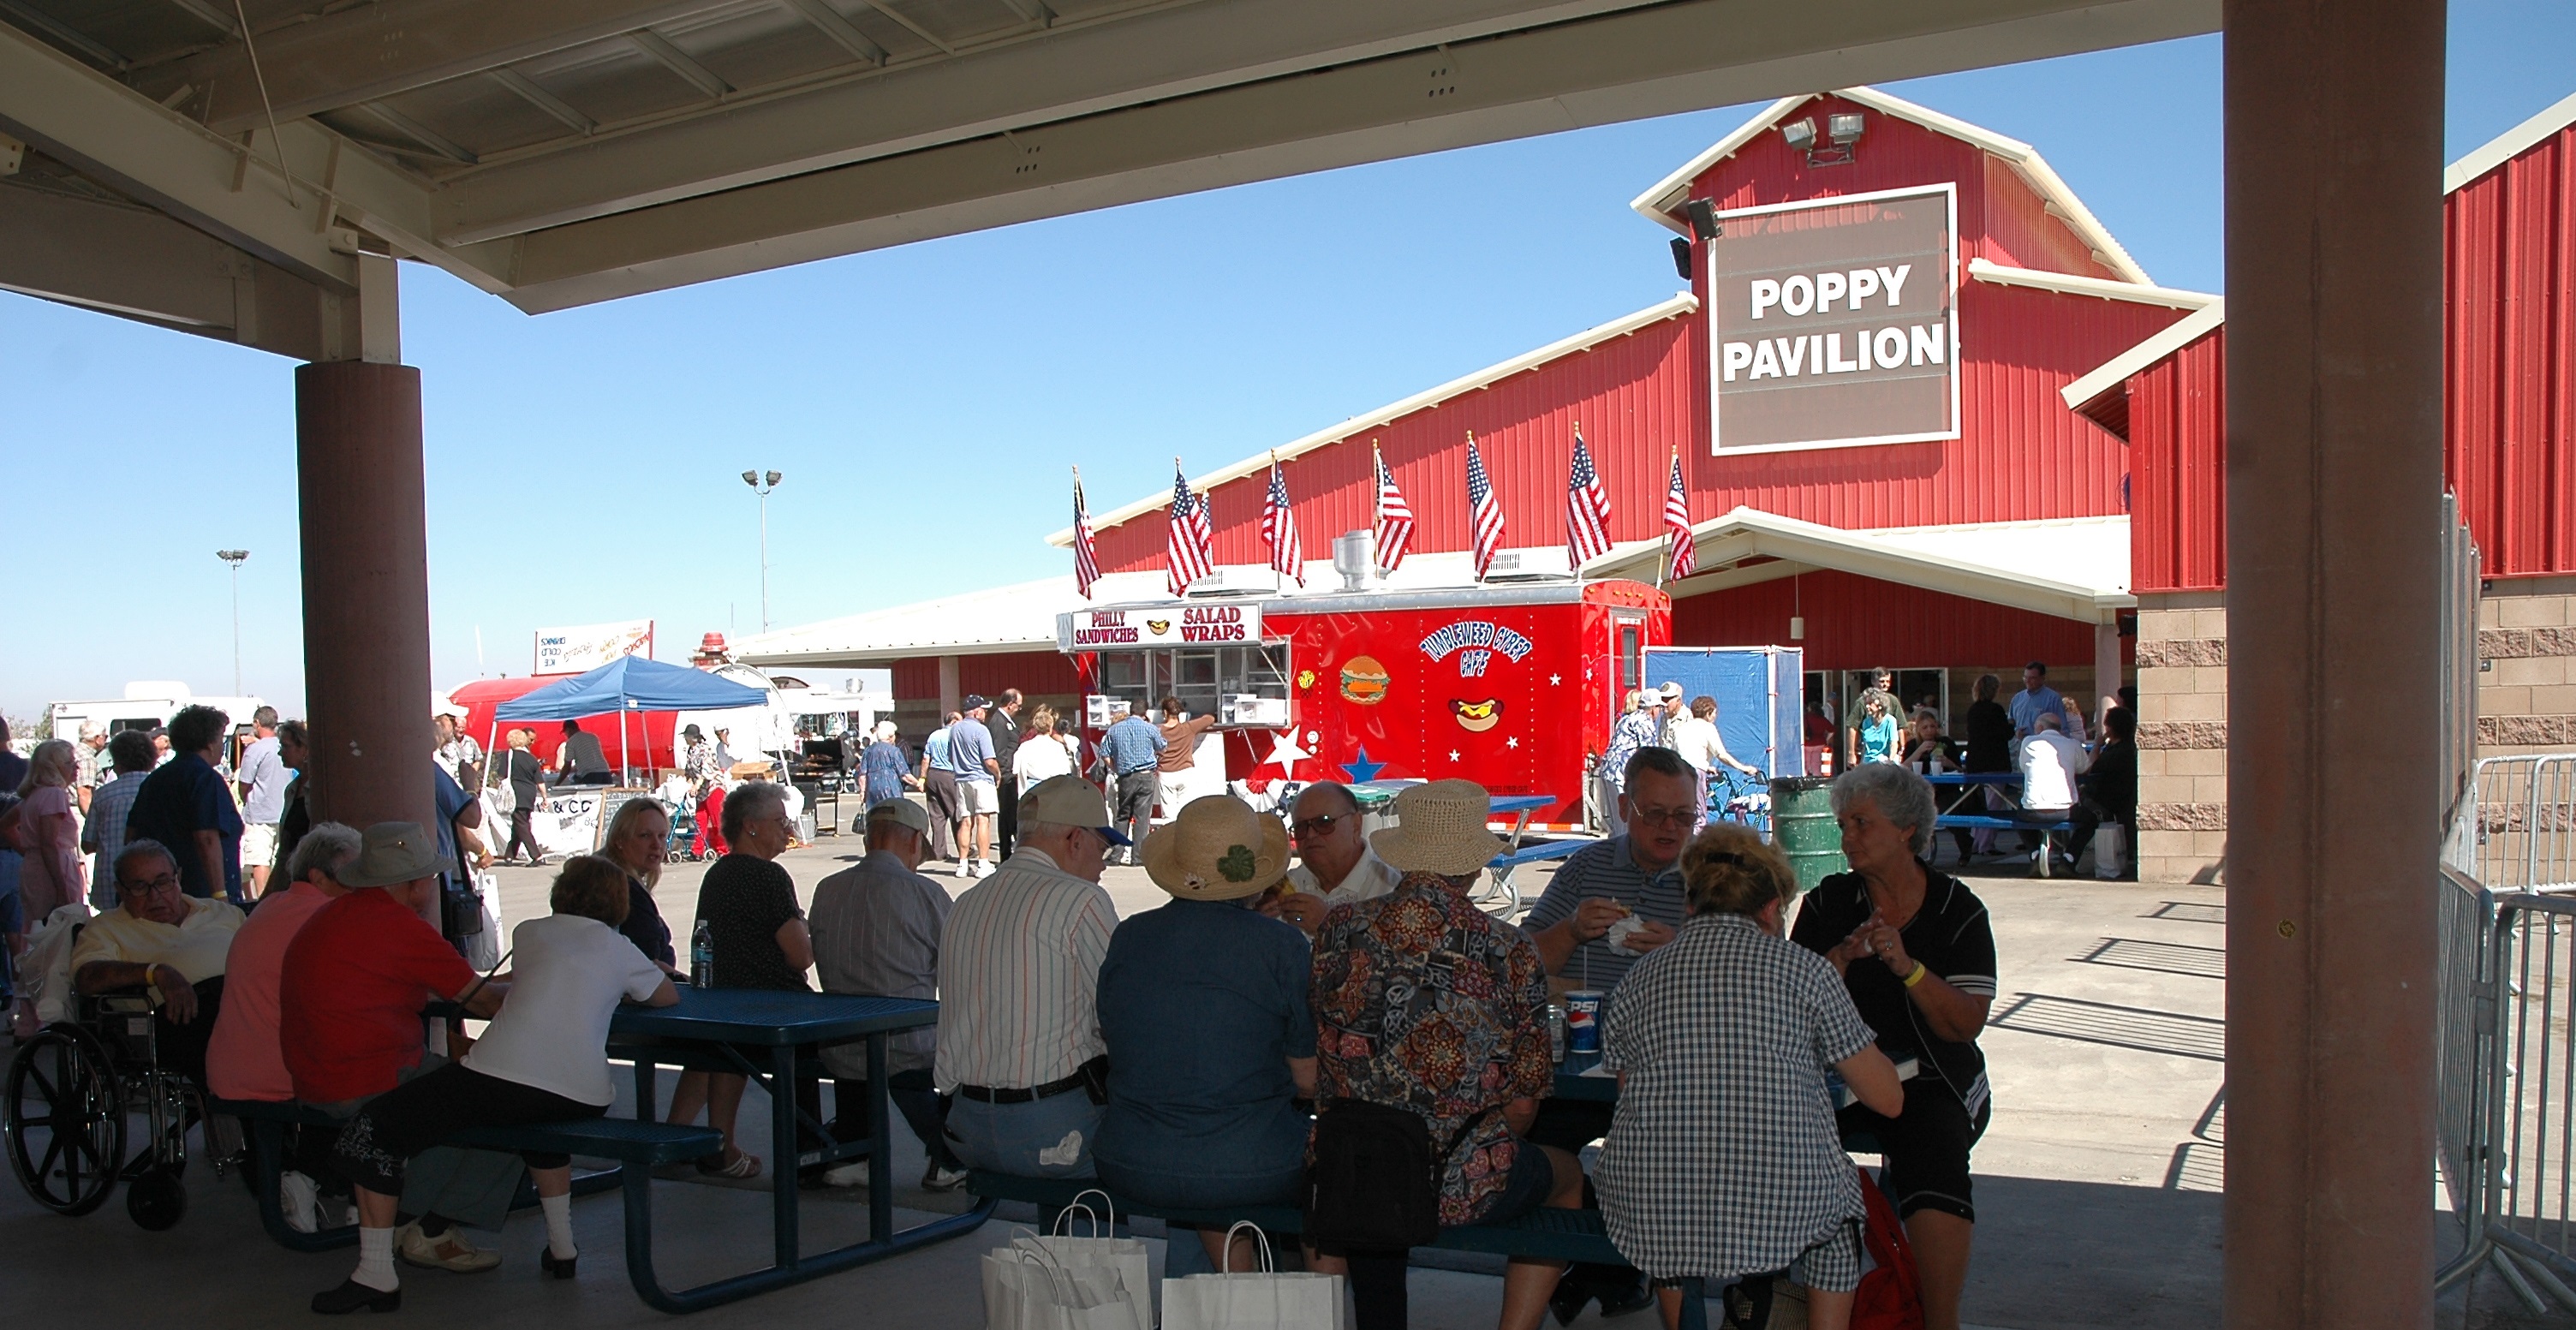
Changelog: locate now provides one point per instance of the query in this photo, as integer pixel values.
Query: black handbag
(1375, 1184)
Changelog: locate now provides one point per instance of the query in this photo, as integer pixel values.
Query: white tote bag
(1124, 1257)
(2110, 850)
(1030, 1290)
(1254, 1300)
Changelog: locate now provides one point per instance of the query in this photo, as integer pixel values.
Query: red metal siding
(1856, 623)
(1033, 672)
(2178, 447)
(2509, 406)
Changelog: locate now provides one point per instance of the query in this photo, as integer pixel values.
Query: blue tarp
(631, 683)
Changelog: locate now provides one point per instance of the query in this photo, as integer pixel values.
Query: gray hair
(1901, 797)
(748, 801)
(329, 846)
(138, 848)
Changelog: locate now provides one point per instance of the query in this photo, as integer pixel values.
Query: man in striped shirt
(1019, 967)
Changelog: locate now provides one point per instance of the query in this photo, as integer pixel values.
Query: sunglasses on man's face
(167, 883)
(1309, 828)
(1665, 817)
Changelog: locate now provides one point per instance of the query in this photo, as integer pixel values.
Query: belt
(1137, 771)
(988, 1095)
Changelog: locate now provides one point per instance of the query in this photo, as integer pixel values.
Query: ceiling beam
(220, 186)
(534, 95)
(887, 8)
(1069, 72)
(371, 51)
(679, 62)
(842, 32)
(1622, 66)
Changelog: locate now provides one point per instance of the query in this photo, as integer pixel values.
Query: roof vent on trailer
(1355, 558)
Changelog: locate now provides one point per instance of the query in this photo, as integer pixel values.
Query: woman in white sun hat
(1211, 1041)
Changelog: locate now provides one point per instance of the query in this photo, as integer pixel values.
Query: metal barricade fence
(2523, 832)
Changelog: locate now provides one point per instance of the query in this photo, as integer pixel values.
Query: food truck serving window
(1240, 685)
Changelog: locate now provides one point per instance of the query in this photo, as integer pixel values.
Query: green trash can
(1803, 826)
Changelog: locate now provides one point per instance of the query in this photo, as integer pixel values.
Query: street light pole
(234, 559)
(762, 482)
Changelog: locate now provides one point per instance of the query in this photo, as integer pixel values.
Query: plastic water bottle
(702, 957)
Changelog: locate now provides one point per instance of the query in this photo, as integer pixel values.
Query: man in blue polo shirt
(1609, 905)
(1132, 750)
(979, 771)
(2036, 699)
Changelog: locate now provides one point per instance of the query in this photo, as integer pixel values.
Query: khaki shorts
(978, 796)
(259, 844)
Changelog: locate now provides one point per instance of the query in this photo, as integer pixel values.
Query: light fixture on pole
(762, 482)
(234, 558)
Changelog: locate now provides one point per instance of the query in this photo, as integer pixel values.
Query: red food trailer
(1512, 685)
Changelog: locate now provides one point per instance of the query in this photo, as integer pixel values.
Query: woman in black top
(1990, 738)
(637, 840)
(748, 904)
(1917, 954)
(527, 786)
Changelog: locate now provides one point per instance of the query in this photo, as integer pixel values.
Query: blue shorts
(1526, 1189)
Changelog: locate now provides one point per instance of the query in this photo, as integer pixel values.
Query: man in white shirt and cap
(1335, 864)
(2049, 761)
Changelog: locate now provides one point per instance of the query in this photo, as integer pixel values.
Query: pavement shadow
(2142, 1028)
(2055, 1254)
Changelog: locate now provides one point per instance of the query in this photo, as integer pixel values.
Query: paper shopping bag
(1027, 1290)
(1254, 1300)
(1102, 1249)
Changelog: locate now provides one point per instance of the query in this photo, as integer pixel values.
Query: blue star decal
(1361, 769)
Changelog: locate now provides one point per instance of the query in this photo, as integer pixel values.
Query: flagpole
(1278, 579)
(1473, 562)
(1377, 506)
(1666, 562)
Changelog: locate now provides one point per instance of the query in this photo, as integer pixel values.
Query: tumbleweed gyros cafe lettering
(1175, 625)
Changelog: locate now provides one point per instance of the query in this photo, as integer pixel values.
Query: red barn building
(2509, 455)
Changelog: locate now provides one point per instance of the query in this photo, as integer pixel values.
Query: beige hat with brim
(1218, 849)
(1440, 828)
(390, 853)
(901, 812)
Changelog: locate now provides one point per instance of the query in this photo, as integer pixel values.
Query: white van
(148, 704)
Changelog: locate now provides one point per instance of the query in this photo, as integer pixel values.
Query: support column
(949, 696)
(2106, 666)
(2334, 471)
(366, 591)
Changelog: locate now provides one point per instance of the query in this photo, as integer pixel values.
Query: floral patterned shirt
(1423, 1001)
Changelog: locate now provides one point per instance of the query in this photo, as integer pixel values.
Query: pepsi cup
(1583, 1022)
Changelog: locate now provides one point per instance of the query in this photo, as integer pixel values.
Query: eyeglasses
(1316, 826)
(1665, 817)
(166, 884)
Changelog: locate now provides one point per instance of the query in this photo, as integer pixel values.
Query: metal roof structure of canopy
(559, 154)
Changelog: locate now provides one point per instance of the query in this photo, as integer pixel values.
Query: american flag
(1394, 518)
(1279, 527)
(1189, 553)
(1086, 565)
(1484, 513)
(1677, 521)
(1587, 509)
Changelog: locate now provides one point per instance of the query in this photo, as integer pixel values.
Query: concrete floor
(2097, 1183)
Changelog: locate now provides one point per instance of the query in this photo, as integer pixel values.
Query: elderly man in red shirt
(357, 975)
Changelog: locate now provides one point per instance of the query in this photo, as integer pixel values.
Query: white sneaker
(853, 1174)
(936, 1178)
(301, 1200)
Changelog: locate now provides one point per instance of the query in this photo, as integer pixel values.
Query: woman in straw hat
(1203, 1006)
(1424, 1002)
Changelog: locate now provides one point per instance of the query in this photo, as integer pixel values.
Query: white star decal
(1453, 754)
(1512, 742)
(1556, 681)
(1284, 752)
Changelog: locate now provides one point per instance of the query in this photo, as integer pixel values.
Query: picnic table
(765, 1034)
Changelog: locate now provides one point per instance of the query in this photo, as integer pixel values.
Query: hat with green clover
(1218, 849)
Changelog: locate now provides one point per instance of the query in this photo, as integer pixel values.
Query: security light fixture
(762, 482)
(233, 560)
(1840, 144)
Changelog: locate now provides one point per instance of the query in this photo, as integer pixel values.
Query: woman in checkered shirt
(1724, 1160)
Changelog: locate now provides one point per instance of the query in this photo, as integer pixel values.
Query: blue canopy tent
(630, 683)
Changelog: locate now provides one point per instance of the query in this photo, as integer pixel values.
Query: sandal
(742, 1165)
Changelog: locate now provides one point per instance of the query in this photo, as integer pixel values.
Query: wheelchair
(73, 1092)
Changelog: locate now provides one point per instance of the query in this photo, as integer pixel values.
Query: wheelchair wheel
(157, 1199)
(64, 1120)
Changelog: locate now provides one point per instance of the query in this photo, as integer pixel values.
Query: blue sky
(925, 402)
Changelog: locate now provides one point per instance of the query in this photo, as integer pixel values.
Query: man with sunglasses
(1335, 865)
(1582, 939)
(161, 939)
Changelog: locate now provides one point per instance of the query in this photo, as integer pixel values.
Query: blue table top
(770, 1017)
(1500, 803)
(1974, 778)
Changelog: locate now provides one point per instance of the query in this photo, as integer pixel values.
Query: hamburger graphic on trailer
(1364, 681)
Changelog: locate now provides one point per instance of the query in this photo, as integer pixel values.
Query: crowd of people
(1304, 986)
